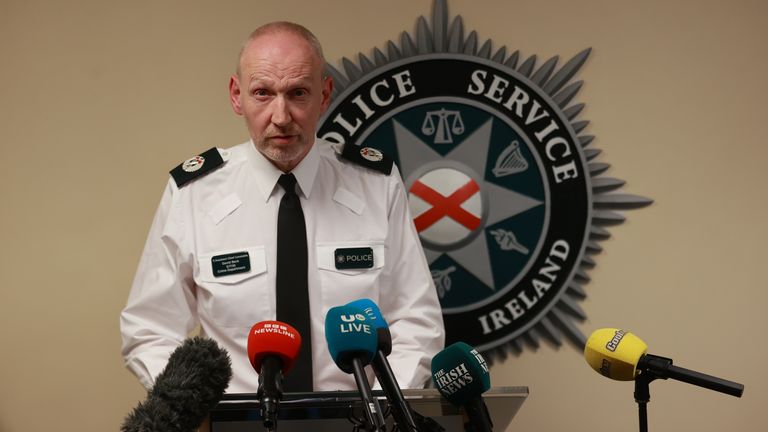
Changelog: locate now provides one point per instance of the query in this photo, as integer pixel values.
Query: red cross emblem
(443, 206)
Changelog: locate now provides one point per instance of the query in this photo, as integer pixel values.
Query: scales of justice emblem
(504, 187)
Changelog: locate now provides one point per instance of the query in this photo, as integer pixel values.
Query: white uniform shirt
(234, 209)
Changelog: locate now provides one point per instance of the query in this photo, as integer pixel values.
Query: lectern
(338, 411)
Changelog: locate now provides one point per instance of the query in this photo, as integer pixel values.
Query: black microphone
(191, 384)
(352, 344)
(401, 411)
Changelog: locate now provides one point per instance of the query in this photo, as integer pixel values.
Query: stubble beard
(283, 154)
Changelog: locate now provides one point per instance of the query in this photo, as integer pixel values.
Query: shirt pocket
(233, 286)
(339, 286)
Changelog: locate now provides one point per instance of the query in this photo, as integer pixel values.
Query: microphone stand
(374, 420)
(479, 418)
(401, 411)
(642, 397)
(270, 391)
(654, 367)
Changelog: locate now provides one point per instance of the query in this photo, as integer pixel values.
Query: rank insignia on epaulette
(368, 157)
(197, 166)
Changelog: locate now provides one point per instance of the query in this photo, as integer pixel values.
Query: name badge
(354, 258)
(229, 264)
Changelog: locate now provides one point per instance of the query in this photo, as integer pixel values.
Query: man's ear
(327, 92)
(234, 94)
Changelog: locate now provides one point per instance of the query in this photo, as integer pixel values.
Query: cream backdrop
(99, 99)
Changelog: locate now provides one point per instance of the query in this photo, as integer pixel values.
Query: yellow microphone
(614, 353)
(620, 355)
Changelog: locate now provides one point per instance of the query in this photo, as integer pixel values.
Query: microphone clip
(657, 366)
(651, 368)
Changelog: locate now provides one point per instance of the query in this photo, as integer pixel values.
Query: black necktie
(292, 289)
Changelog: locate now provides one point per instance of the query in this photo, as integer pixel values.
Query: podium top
(503, 403)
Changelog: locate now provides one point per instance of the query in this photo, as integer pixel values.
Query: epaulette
(197, 167)
(368, 157)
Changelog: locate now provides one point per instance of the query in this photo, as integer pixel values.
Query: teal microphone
(377, 321)
(461, 375)
(352, 344)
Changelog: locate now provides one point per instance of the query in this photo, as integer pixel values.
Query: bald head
(288, 27)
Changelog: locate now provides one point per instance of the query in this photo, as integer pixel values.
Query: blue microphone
(352, 343)
(400, 408)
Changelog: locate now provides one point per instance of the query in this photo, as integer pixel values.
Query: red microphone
(273, 347)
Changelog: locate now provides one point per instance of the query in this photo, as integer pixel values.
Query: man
(222, 207)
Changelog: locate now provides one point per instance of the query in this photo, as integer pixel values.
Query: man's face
(281, 93)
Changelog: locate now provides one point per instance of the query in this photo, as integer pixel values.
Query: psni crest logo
(505, 198)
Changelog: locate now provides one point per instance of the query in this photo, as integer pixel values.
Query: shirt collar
(268, 174)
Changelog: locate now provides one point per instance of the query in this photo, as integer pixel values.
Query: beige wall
(99, 99)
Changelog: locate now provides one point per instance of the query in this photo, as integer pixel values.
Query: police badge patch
(505, 197)
(193, 164)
